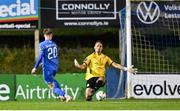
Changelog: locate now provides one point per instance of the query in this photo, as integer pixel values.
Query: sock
(57, 89)
(89, 98)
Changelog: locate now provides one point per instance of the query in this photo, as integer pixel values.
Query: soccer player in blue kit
(49, 58)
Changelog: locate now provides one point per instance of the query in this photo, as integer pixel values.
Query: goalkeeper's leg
(89, 93)
(92, 86)
(98, 84)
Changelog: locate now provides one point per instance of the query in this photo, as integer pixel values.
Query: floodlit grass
(127, 104)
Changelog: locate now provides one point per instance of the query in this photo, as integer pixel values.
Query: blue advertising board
(153, 12)
(19, 14)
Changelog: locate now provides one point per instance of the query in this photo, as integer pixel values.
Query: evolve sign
(84, 10)
(156, 86)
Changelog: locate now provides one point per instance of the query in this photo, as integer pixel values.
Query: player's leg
(100, 82)
(89, 94)
(61, 94)
(53, 84)
(48, 78)
(58, 91)
(90, 88)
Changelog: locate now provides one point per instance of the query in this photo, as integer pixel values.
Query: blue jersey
(48, 55)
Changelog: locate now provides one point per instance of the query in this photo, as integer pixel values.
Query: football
(100, 95)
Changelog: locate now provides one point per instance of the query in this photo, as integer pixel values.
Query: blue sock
(57, 89)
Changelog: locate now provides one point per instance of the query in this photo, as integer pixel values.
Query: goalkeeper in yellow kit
(96, 66)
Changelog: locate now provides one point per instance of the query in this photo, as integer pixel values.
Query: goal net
(155, 48)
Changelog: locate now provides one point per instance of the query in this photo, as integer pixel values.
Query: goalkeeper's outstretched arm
(130, 69)
(80, 66)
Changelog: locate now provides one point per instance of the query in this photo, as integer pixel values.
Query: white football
(100, 95)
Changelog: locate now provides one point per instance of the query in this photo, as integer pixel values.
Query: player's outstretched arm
(130, 69)
(80, 66)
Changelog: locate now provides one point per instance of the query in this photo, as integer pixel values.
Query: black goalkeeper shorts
(91, 83)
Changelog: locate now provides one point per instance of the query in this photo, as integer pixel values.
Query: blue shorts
(49, 76)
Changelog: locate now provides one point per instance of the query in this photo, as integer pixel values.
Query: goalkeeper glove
(131, 69)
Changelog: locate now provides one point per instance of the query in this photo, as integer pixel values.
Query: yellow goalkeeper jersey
(96, 65)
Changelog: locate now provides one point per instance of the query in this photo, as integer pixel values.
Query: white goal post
(128, 50)
(150, 36)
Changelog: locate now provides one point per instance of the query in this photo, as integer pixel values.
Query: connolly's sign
(84, 10)
(80, 13)
(85, 6)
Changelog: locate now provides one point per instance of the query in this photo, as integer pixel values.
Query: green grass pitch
(124, 104)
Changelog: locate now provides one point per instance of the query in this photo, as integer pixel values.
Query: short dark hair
(47, 31)
(98, 41)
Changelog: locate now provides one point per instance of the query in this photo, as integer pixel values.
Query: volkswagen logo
(148, 12)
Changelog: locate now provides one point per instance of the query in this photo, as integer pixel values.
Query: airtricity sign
(16, 9)
(4, 92)
(29, 92)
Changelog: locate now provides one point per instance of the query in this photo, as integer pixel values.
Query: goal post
(128, 39)
(150, 33)
(125, 43)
